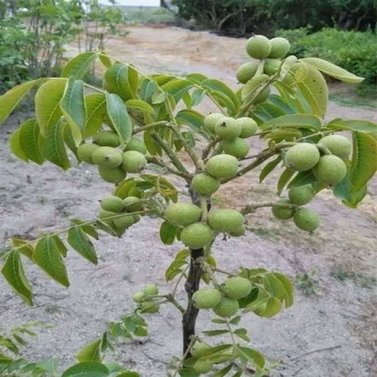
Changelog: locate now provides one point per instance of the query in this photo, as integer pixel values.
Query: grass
(360, 279)
(308, 282)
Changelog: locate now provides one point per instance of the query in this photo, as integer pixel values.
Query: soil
(329, 332)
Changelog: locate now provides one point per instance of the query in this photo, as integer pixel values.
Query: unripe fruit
(135, 144)
(182, 214)
(85, 152)
(222, 166)
(279, 47)
(149, 307)
(211, 120)
(115, 175)
(197, 235)
(301, 195)
(302, 157)
(112, 203)
(138, 297)
(238, 232)
(199, 348)
(125, 221)
(106, 139)
(227, 128)
(133, 161)
(306, 219)
(150, 290)
(258, 47)
(202, 366)
(248, 126)
(204, 184)
(282, 212)
(246, 71)
(225, 220)
(227, 307)
(330, 170)
(132, 204)
(237, 147)
(105, 215)
(236, 287)
(338, 145)
(206, 298)
(107, 157)
(271, 66)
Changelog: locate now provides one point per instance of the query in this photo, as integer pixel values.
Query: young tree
(136, 121)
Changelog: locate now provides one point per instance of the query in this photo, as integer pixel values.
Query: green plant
(159, 111)
(308, 282)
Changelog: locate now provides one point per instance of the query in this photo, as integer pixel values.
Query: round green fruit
(150, 290)
(246, 71)
(330, 170)
(227, 128)
(125, 221)
(302, 157)
(271, 66)
(258, 47)
(112, 203)
(222, 166)
(132, 204)
(204, 184)
(135, 144)
(225, 220)
(149, 307)
(227, 307)
(238, 232)
(236, 287)
(301, 195)
(248, 126)
(115, 175)
(182, 214)
(306, 219)
(197, 235)
(281, 211)
(138, 297)
(211, 120)
(85, 152)
(199, 348)
(338, 145)
(106, 215)
(202, 366)
(106, 139)
(133, 161)
(237, 147)
(107, 157)
(279, 48)
(206, 298)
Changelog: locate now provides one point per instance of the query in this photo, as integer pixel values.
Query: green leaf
(215, 332)
(60, 245)
(284, 179)
(176, 266)
(303, 178)
(191, 118)
(268, 168)
(10, 100)
(82, 244)
(253, 356)
(119, 117)
(22, 246)
(333, 70)
(353, 125)
(13, 272)
(242, 333)
(177, 88)
(128, 374)
(87, 369)
(288, 286)
(121, 79)
(29, 136)
(95, 105)
(15, 147)
(79, 66)
(47, 103)
(139, 105)
(305, 121)
(47, 256)
(105, 59)
(223, 372)
(167, 233)
(344, 190)
(91, 352)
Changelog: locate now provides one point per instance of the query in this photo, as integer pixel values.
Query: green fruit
(302, 157)
(138, 297)
(112, 203)
(206, 298)
(106, 139)
(149, 307)
(204, 184)
(248, 126)
(271, 66)
(115, 175)
(197, 235)
(246, 71)
(222, 166)
(255, 84)
(279, 48)
(330, 170)
(236, 287)
(199, 348)
(107, 157)
(202, 366)
(150, 290)
(132, 204)
(301, 195)
(227, 128)
(135, 144)
(258, 47)
(338, 145)
(282, 212)
(125, 221)
(237, 147)
(238, 232)
(306, 219)
(105, 215)
(85, 152)
(211, 120)
(133, 161)
(227, 307)
(182, 214)
(225, 220)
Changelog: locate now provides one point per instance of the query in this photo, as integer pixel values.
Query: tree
(136, 121)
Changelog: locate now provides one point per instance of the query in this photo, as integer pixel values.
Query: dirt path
(329, 334)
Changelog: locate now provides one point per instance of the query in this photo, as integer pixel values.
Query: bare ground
(328, 334)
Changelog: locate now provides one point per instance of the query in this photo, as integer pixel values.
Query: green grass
(147, 15)
(360, 279)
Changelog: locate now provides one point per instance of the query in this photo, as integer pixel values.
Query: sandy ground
(328, 334)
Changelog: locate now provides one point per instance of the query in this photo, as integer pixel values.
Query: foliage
(136, 121)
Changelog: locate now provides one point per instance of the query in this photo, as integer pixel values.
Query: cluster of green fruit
(119, 214)
(196, 233)
(113, 163)
(147, 300)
